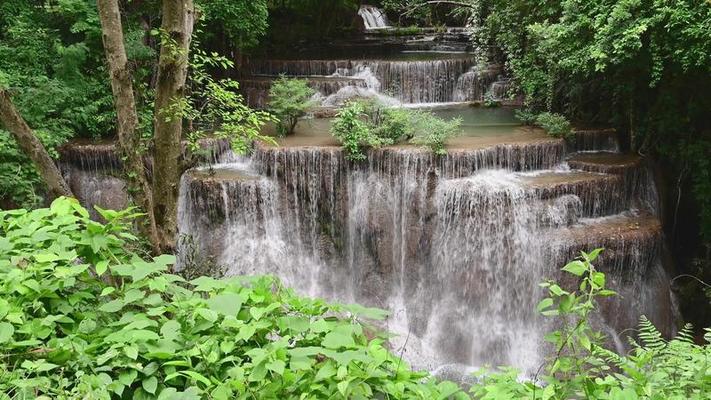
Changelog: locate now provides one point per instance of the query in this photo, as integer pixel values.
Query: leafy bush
(367, 123)
(215, 108)
(526, 116)
(83, 316)
(581, 367)
(289, 99)
(433, 132)
(352, 128)
(555, 125)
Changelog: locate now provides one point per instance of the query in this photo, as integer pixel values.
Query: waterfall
(454, 78)
(373, 17)
(453, 246)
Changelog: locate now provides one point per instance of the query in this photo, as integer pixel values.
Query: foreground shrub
(289, 99)
(82, 316)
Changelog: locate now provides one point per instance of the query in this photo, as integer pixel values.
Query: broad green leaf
(112, 306)
(336, 340)
(544, 304)
(101, 267)
(276, 366)
(225, 303)
(6, 332)
(170, 329)
(576, 268)
(150, 384)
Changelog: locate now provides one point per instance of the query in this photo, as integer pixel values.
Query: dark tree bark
(176, 31)
(30, 145)
(128, 134)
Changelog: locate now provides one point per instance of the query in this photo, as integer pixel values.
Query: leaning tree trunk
(30, 145)
(129, 136)
(176, 32)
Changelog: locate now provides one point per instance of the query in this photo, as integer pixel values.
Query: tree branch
(32, 147)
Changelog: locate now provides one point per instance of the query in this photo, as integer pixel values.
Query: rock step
(599, 194)
(595, 140)
(605, 162)
(629, 239)
(639, 186)
(526, 150)
(100, 155)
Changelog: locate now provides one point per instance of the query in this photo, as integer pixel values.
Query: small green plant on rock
(433, 132)
(289, 99)
(555, 125)
(366, 123)
(352, 129)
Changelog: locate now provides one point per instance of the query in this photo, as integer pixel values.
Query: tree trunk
(32, 147)
(129, 137)
(176, 33)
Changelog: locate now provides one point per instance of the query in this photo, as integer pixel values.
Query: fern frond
(649, 335)
(686, 335)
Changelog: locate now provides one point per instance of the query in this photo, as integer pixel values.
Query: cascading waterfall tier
(453, 245)
(454, 78)
(373, 17)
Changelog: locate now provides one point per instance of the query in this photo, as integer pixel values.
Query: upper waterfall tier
(408, 78)
(373, 17)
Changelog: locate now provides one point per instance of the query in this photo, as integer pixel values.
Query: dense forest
(93, 306)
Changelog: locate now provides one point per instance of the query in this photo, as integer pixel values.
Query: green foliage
(398, 31)
(51, 60)
(19, 182)
(241, 22)
(640, 65)
(433, 132)
(367, 123)
(352, 129)
(83, 316)
(216, 108)
(289, 98)
(555, 125)
(526, 116)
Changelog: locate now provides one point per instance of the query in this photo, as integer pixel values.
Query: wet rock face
(94, 171)
(454, 245)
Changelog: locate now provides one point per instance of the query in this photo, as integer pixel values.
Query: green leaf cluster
(289, 99)
(363, 124)
(84, 316)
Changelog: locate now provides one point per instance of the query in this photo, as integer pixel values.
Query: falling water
(414, 82)
(373, 17)
(453, 246)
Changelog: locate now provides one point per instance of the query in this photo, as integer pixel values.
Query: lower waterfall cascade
(453, 246)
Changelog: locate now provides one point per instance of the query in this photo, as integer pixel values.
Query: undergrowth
(84, 316)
